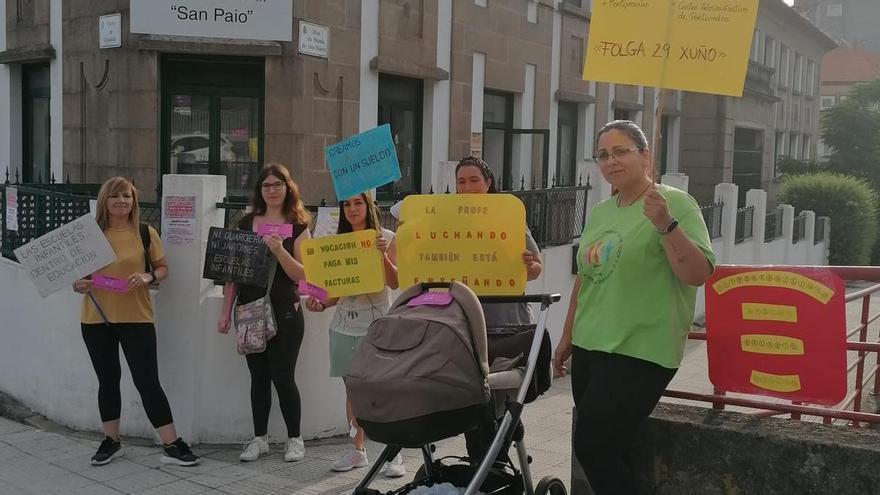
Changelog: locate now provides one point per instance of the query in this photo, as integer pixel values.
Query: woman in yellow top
(124, 316)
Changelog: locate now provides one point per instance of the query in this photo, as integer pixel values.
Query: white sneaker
(254, 449)
(353, 458)
(295, 451)
(395, 467)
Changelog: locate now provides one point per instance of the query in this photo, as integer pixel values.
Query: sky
(790, 2)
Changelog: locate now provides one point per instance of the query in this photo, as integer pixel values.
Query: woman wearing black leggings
(124, 317)
(276, 201)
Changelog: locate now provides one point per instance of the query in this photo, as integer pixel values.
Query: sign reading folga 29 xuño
(240, 19)
(694, 45)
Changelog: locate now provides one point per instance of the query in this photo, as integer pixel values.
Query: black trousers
(614, 394)
(138, 341)
(277, 365)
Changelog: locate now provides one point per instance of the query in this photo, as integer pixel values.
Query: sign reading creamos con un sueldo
(240, 19)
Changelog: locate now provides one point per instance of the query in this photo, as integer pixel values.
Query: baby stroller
(422, 374)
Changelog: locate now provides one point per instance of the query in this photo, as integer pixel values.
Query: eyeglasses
(273, 186)
(616, 153)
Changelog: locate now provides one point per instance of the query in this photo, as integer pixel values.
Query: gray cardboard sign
(70, 252)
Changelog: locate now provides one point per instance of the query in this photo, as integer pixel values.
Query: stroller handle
(545, 299)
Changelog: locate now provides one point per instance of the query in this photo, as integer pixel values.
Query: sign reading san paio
(236, 256)
(68, 253)
(270, 20)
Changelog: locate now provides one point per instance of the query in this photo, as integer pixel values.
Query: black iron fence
(712, 217)
(773, 225)
(555, 215)
(745, 223)
(38, 211)
(800, 229)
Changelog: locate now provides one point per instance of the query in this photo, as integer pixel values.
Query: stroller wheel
(550, 486)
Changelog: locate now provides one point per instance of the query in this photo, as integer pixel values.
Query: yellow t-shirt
(129, 307)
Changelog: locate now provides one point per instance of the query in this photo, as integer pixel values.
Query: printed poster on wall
(327, 221)
(777, 331)
(179, 219)
(345, 264)
(693, 45)
(73, 251)
(476, 239)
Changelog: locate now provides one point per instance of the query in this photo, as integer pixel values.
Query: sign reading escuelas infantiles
(345, 264)
(476, 239)
(71, 252)
(238, 256)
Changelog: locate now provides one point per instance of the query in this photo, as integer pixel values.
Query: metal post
(860, 368)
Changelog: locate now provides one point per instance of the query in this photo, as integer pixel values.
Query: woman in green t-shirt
(642, 255)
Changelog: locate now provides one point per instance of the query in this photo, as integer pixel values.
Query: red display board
(777, 331)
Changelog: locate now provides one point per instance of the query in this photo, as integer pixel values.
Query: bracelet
(670, 228)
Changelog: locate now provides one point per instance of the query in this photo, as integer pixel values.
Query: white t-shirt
(355, 313)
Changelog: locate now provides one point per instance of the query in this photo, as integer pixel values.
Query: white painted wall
(44, 364)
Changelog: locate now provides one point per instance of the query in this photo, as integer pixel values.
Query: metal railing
(555, 215)
(799, 231)
(745, 223)
(39, 211)
(860, 375)
(712, 217)
(773, 225)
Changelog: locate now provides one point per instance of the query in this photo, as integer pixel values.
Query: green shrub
(787, 166)
(849, 202)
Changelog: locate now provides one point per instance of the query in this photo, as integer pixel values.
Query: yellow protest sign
(344, 264)
(476, 239)
(693, 45)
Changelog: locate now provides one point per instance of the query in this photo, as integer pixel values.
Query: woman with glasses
(642, 255)
(276, 200)
(124, 318)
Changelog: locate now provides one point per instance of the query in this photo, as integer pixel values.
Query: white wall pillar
(555, 70)
(727, 194)
(640, 114)
(612, 93)
(56, 101)
(758, 199)
(5, 111)
(524, 118)
(478, 86)
(678, 181)
(787, 230)
(179, 303)
(435, 132)
(368, 114)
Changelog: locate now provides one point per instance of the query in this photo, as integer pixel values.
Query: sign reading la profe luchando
(238, 19)
(476, 239)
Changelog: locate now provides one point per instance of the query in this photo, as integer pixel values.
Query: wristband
(670, 228)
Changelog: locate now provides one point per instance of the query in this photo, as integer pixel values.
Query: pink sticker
(109, 283)
(310, 290)
(431, 299)
(284, 230)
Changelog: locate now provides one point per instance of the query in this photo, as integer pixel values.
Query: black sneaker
(106, 452)
(179, 453)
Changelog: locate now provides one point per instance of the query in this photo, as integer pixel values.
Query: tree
(851, 130)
